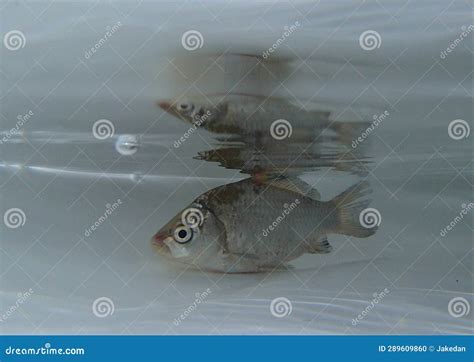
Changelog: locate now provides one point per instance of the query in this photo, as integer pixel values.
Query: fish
(258, 225)
(245, 114)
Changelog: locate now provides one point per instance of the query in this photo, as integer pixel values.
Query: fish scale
(261, 206)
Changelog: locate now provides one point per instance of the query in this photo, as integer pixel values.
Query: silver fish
(251, 226)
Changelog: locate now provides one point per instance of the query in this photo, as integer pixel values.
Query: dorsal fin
(321, 115)
(296, 185)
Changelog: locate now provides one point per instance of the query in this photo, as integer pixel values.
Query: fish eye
(185, 107)
(183, 234)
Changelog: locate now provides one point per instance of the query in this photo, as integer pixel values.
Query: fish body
(250, 226)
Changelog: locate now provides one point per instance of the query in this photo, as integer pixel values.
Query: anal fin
(321, 246)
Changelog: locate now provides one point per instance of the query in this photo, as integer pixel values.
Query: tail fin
(349, 208)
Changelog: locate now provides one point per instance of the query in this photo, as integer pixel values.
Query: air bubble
(127, 144)
(137, 177)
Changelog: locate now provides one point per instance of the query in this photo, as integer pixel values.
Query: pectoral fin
(239, 263)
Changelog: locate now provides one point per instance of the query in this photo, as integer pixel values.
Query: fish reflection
(260, 142)
(250, 226)
(263, 154)
(244, 114)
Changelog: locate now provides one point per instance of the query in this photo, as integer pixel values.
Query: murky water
(91, 167)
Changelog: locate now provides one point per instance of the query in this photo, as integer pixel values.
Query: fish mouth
(165, 245)
(168, 107)
(158, 240)
(165, 105)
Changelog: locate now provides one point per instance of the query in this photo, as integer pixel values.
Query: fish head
(193, 109)
(193, 236)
